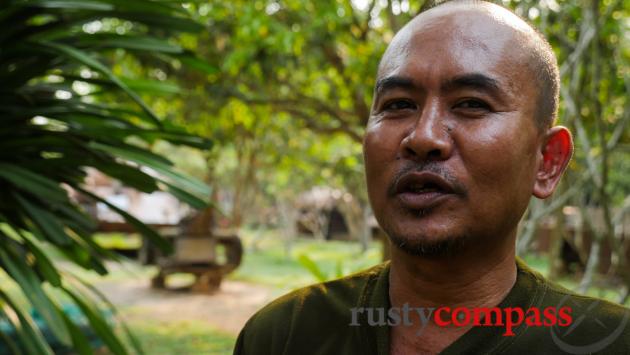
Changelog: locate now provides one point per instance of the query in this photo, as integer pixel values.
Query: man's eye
(472, 104)
(399, 105)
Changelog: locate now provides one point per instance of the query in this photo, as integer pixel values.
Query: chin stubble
(421, 246)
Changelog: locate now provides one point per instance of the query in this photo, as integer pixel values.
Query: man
(460, 137)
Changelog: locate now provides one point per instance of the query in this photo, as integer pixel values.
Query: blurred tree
(591, 42)
(315, 62)
(292, 77)
(291, 83)
(63, 109)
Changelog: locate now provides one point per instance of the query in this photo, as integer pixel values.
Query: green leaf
(79, 254)
(156, 8)
(186, 197)
(198, 64)
(42, 262)
(21, 272)
(34, 183)
(96, 252)
(167, 22)
(131, 176)
(111, 308)
(80, 343)
(29, 335)
(159, 164)
(5, 339)
(41, 41)
(76, 219)
(142, 228)
(142, 43)
(85, 59)
(177, 138)
(132, 153)
(152, 87)
(45, 221)
(312, 267)
(98, 323)
(339, 269)
(72, 5)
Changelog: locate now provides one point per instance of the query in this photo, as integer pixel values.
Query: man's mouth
(422, 190)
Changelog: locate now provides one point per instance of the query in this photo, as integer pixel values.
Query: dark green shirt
(316, 320)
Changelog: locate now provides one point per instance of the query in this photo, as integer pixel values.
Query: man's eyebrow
(473, 80)
(393, 82)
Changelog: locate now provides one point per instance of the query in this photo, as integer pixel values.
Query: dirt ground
(227, 309)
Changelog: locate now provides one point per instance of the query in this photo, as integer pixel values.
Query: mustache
(432, 167)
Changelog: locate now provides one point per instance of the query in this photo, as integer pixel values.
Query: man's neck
(469, 280)
(480, 278)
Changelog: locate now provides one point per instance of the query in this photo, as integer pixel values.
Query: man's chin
(430, 247)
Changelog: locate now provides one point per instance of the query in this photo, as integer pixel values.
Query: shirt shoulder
(559, 296)
(596, 326)
(310, 315)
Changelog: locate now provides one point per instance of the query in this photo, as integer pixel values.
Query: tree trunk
(556, 244)
(593, 258)
(288, 220)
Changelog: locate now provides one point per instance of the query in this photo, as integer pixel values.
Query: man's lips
(423, 190)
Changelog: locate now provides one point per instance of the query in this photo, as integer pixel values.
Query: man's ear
(556, 152)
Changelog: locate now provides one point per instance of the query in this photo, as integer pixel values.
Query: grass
(183, 337)
(120, 241)
(268, 262)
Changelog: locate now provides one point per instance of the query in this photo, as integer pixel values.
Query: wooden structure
(199, 249)
(319, 214)
(199, 255)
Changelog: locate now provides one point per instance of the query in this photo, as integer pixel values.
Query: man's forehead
(472, 27)
(466, 9)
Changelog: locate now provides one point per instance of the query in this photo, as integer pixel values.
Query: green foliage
(271, 265)
(63, 109)
(594, 98)
(312, 267)
(292, 82)
(188, 337)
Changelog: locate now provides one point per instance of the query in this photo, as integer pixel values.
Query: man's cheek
(383, 140)
(377, 163)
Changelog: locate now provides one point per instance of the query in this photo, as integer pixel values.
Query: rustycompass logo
(507, 318)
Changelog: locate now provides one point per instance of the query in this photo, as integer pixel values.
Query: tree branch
(313, 123)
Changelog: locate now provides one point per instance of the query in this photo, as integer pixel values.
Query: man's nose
(429, 137)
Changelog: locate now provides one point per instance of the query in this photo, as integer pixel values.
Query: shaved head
(464, 101)
(536, 55)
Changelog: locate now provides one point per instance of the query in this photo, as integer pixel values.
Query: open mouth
(423, 183)
(422, 190)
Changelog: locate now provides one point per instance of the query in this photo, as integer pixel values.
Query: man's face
(452, 147)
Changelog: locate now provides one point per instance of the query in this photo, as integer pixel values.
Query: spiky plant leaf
(51, 133)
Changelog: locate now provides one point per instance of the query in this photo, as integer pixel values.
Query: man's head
(460, 132)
